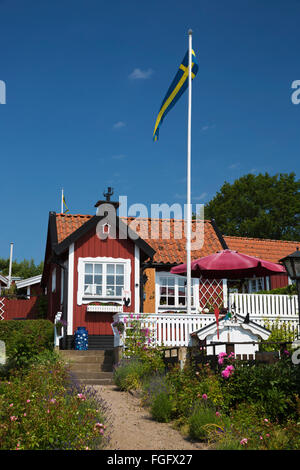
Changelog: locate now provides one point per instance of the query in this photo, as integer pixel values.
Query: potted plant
(119, 325)
(59, 325)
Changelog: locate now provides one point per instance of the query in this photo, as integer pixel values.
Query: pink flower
(221, 357)
(53, 400)
(227, 372)
(267, 435)
(11, 405)
(266, 420)
(13, 418)
(244, 441)
(81, 396)
(28, 401)
(204, 396)
(48, 411)
(218, 413)
(261, 438)
(24, 414)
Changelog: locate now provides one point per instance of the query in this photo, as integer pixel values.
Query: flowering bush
(138, 338)
(251, 430)
(44, 410)
(26, 339)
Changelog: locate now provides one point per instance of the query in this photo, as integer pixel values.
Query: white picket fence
(173, 329)
(282, 309)
(265, 304)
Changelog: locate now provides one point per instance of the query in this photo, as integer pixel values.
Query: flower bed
(44, 410)
(235, 406)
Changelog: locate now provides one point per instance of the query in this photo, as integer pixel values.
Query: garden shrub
(129, 374)
(42, 410)
(162, 407)
(205, 423)
(25, 339)
(279, 333)
(252, 430)
(271, 387)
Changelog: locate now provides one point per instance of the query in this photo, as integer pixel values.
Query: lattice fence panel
(2, 308)
(210, 293)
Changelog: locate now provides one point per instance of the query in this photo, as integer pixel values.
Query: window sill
(104, 308)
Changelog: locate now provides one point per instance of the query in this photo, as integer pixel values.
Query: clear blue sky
(85, 79)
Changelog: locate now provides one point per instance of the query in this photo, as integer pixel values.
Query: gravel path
(134, 429)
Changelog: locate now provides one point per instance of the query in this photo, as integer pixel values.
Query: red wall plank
(279, 280)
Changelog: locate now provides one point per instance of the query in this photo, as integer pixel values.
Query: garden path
(134, 429)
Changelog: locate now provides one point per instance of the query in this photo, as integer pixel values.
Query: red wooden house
(89, 277)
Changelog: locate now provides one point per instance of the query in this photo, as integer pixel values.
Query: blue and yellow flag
(176, 89)
(64, 203)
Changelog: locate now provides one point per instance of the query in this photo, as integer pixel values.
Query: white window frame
(257, 288)
(176, 307)
(83, 298)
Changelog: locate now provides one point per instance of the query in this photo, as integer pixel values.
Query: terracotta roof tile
(169, 250)
(270, 250)
(67, 224)
(172, 250)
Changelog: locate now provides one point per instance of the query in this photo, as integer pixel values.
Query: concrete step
(90, 352)
(95, 381)
(88, 360)
(83, 375)
(91, 367)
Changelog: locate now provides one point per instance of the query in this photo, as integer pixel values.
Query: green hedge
(25, 339)
(287, 290)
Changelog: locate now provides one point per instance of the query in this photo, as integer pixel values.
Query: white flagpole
(189, 218)
(62, 201)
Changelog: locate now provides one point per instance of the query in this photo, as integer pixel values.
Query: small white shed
(232, 333)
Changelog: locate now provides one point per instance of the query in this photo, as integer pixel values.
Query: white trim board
(70, 289)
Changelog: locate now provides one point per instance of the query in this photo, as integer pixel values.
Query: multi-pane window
(104, 279)
(257, 284)
(114, 279)
(172, 291)
(93, 279)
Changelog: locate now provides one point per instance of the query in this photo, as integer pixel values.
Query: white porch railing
(166, 329)
(273, 308)
(265, 304)
(174, 329)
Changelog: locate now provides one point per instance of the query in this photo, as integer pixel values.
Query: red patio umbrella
(230, 265)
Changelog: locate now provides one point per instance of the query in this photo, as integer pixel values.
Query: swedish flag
(176, 89)
(64, 203)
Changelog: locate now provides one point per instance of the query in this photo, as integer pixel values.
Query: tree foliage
(23, 269)
(260, 206)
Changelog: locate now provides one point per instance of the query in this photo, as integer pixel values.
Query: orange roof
(270, 250)
(166, 237)
(67, 224)
(170, 248)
